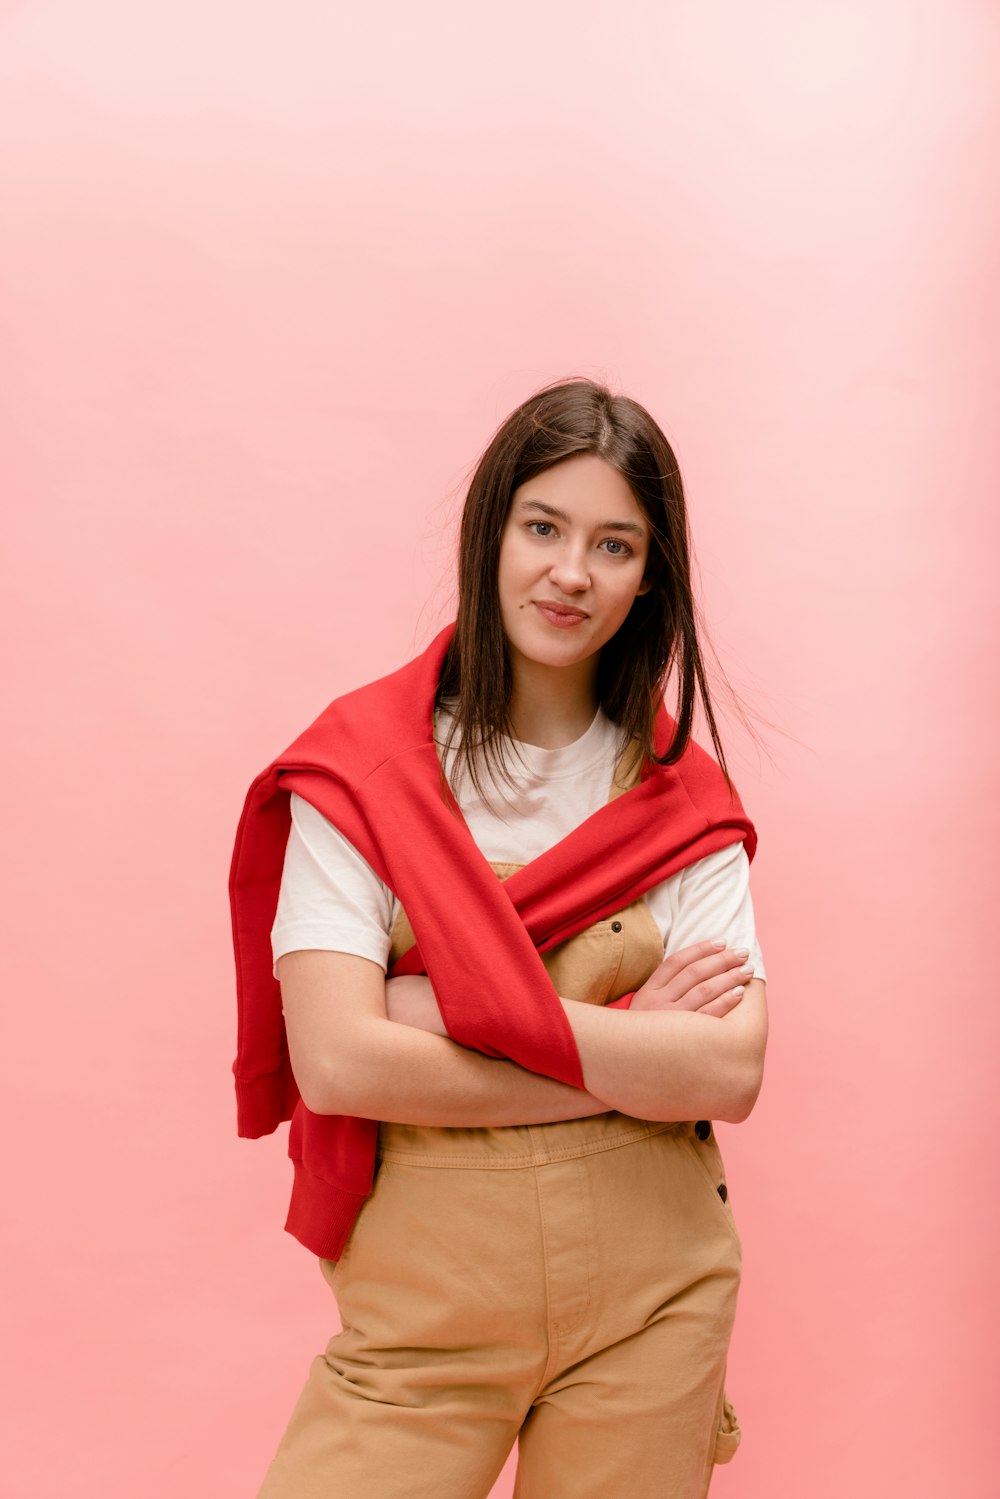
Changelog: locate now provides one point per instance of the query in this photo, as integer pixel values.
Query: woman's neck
(552, 706)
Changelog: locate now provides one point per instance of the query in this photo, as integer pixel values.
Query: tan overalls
(571, 1286)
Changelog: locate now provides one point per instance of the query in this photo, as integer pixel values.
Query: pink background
(271, 276)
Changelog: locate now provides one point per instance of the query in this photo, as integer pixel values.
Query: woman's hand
(409, 1000)
(703, 977)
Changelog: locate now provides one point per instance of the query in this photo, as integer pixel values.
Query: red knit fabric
(369, 764)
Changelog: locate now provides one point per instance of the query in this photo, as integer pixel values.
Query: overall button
(616, 926)
(703, 1129)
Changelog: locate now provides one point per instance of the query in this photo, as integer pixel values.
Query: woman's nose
(569, 572)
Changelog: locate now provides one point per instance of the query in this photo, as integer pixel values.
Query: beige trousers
(568, 1286)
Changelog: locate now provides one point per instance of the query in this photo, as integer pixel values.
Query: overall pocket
(705, 1149)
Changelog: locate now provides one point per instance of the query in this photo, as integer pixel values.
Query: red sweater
(369, 764)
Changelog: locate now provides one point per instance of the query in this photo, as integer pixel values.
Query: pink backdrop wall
(270, 277)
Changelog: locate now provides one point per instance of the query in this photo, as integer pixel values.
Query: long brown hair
(659, 632)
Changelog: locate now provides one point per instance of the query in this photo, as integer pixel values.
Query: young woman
(536, 1261)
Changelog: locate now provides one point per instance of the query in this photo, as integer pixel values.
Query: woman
(535, 1260)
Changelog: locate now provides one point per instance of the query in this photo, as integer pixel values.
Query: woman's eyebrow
(604, 525)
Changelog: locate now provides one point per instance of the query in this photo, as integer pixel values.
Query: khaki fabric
(569, 1286)
(574, 1294)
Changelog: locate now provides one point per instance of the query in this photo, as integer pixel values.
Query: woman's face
(575, 540)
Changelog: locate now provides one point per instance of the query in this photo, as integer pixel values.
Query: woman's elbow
(329, 1085)
(746, 1059)
(742, 1095)
(319, 1090)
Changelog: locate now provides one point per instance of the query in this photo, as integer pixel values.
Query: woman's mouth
(560, 615)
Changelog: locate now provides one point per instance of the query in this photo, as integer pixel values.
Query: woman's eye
(625, 548)
(547, 523)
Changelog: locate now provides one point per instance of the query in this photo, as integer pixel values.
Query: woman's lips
(563, 619)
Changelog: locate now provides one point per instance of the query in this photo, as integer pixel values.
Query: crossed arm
(350, 1057)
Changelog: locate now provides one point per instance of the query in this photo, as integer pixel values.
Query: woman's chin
(565, 652)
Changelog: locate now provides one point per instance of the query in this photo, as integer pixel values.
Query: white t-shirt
(331, 898)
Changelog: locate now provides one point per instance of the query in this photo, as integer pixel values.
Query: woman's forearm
(652, 1064)
(350, 1054)
(649, 1064)
(673, 1064)
(413, 1077)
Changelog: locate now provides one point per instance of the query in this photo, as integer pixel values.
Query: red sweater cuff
(623, 1003)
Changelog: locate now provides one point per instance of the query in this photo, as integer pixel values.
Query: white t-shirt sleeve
(708, 899)
(330, 897)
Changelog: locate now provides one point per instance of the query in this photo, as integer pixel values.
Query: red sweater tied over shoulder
(370, 765)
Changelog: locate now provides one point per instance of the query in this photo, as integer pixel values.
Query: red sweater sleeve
(624, 1003)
